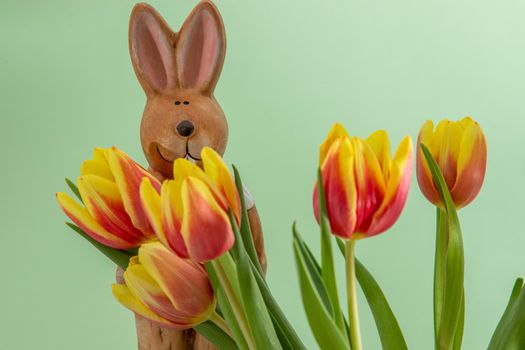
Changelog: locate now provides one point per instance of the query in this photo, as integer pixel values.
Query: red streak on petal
(315, 200)
(172, 228)
(339, 210)
(133, 175)
(118, 223)
(470, 181)
(118, 243)
(186, 282)
(424, 178)
(369, 198)
(162, 306)
(210, 234)
(388, 216)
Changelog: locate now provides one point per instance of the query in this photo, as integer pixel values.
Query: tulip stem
(353, 316)
(220, 322)
(224, 266)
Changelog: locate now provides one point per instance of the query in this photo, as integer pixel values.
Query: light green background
(292, 69)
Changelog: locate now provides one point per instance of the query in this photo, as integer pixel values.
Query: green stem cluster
(251, 315)
(225, 270)
(220, 322)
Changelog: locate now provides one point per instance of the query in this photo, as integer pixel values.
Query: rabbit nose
(185, 128)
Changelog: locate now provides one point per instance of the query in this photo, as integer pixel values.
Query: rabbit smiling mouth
(187, 156)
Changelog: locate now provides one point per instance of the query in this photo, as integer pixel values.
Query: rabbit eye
(177, 103)
(186, 102)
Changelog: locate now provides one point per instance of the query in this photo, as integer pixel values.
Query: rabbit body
(178, 72)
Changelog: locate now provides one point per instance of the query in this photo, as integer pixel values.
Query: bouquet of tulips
(189, 259)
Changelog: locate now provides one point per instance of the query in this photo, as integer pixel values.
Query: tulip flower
(190, 215)
(166, 289)
(460, 150)
(109, 188)
(365, 190)
(365, 187)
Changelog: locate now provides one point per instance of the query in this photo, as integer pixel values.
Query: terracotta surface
(178, 72)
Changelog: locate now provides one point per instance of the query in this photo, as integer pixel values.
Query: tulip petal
(221, 177)
(183, 281)
(183, 168)
(339, 183)
(164, 214)
(437, 136)
(126, 298)
(172, 213)
(142, 285)
(128, 176)
(449, 152)
(397, 189)
(424, 177)
(337, 132)
(100, 154)
(103, 202)
(96, 167)
(206, 227)
(471, 166)
(81, 217)
(151, 204)
(466, 122)
(380, 145)
(370, 184)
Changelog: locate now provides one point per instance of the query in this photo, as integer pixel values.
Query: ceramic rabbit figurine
(178, 72)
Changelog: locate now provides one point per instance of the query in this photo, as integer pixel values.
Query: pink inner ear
(199, 54)
(153, 52)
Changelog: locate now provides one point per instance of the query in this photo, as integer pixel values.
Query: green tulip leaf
(259, 320)
(119, 257)
(388, 328)
(389, 331)
(74, 189)
(458, 337)
(314, 270)
(325, 331)
(216, 336)
(510, 332)
(286, 333)
(453, 262)
(225, 307)
(245, 229)
(327, 259)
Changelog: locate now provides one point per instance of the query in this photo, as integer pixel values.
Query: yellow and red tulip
(365, 188)
(460, 149)
(109, 188)
(190, 215)
(166, 289)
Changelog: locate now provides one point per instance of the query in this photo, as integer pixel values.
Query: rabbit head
(178, 72)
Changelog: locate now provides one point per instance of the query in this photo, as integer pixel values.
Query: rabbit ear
(201, 46)
(151, 46)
